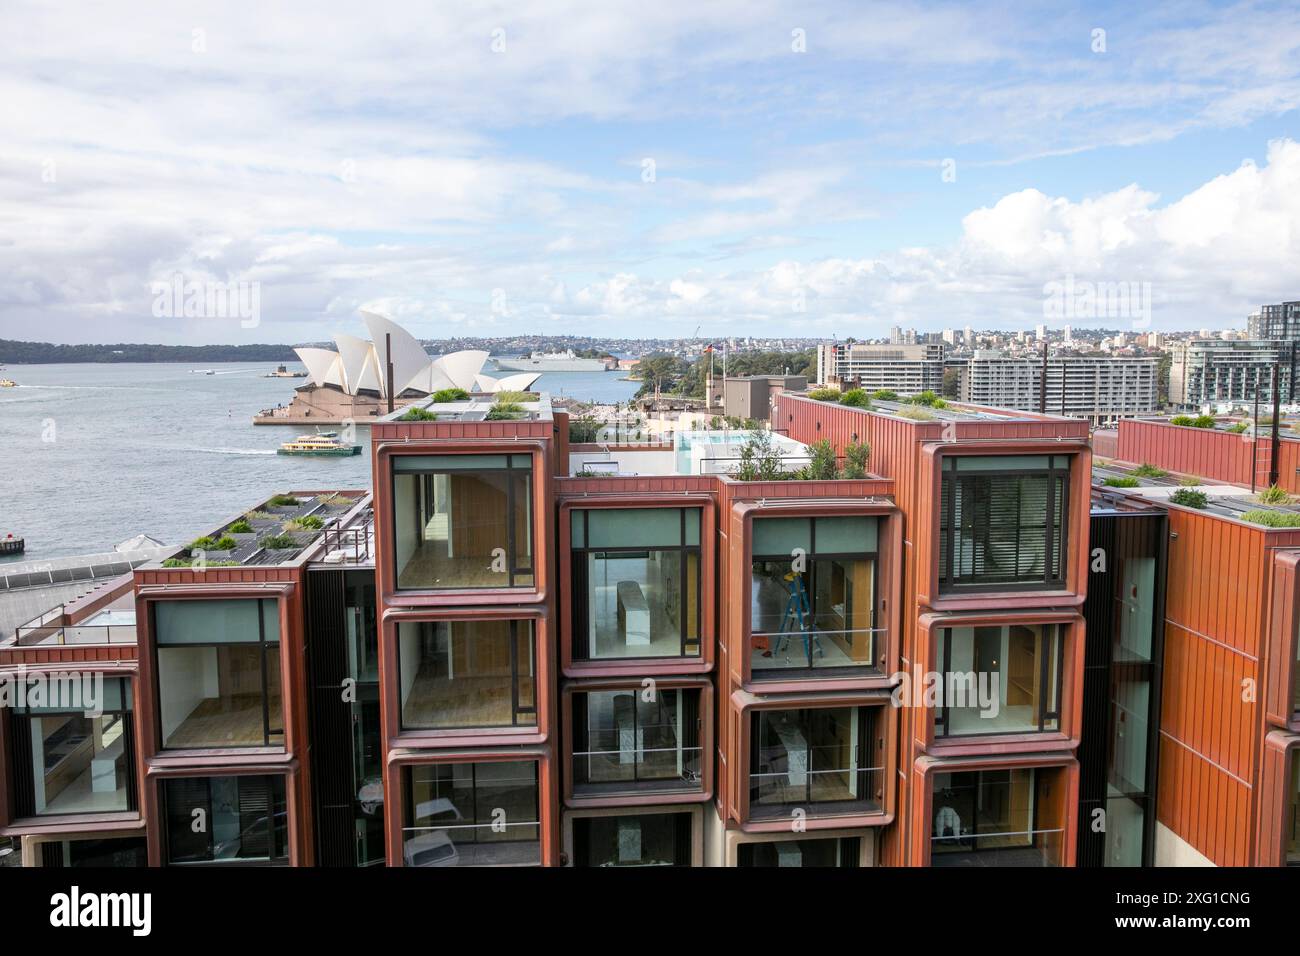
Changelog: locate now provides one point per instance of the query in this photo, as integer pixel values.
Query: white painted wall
(188, 675)
(1173, 850)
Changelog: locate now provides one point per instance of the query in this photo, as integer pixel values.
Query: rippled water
(94, 454)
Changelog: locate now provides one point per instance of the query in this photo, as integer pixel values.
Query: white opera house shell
(359, 367)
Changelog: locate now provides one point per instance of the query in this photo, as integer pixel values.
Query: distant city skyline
(797, 169)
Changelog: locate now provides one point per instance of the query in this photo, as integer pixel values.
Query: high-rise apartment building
(1208, 371)
(906, 369)
(1100, 390)
(1280, 322)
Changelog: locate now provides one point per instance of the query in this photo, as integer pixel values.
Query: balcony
(812, 595)
(471, 814)
(114, 624)
(994, 818)
(626, 744)
(818, 760)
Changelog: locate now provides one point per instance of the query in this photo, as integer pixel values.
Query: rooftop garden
(285, 523)
(760, 461)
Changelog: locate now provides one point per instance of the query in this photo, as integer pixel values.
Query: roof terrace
(720, 452)
(278, 531)
(457, 405)
(1268, 508)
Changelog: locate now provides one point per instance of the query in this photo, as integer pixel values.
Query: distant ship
(322, 443)
(8, 383)
(283, 372)
(552, 362)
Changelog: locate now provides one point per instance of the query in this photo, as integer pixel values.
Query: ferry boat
(322, 443)
(564, 361)
(283, 372)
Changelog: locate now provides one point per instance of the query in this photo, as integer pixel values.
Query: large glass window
(463, 521)
(999, 680)
(110, 851)
(367, 745)
(71, 758)
(643, 839)
(636, 740)
(636, 582)
(996, 818)
(472, 814)
(467, 674)
(1002, 522)
(218, 673)
(226, 820)
(827, 756)
(813, 596)
(843, 852)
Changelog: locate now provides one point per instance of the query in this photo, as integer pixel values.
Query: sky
(737, 167)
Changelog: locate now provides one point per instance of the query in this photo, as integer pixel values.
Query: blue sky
(484, 168)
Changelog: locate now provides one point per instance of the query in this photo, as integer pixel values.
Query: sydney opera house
(353, 383)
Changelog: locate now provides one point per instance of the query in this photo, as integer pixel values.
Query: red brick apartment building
(521, 651)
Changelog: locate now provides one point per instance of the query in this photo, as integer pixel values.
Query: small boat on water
(322, 443)
(283, 372)
(12, 545)
(8, 383)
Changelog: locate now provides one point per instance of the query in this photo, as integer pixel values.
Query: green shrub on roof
(1190, 498)
(1272, 519)
(1123, 482)
(856, 398)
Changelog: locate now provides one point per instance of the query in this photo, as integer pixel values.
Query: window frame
(515, 708)
(24, 768)
(810, 671)
(1058, 477)
(270, 779)
(869, 731)
(665, 788)
(580, 604)
(265, 647)
(510, 470)
(942, 715)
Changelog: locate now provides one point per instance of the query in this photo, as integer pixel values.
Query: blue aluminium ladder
(797, 617)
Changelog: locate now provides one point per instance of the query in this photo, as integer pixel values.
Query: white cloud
(344, 154)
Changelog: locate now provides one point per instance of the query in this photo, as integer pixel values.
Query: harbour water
(95, 454)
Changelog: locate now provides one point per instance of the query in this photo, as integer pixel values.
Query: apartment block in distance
(906, 369)
(1278, 323)
(1101, 390)
(1210, 371)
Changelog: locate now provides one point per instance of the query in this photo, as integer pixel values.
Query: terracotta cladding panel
(78, 654)
(1207, 453)
(649, 484)
(1204, 805)
(1216, 583)
(1204, 703)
